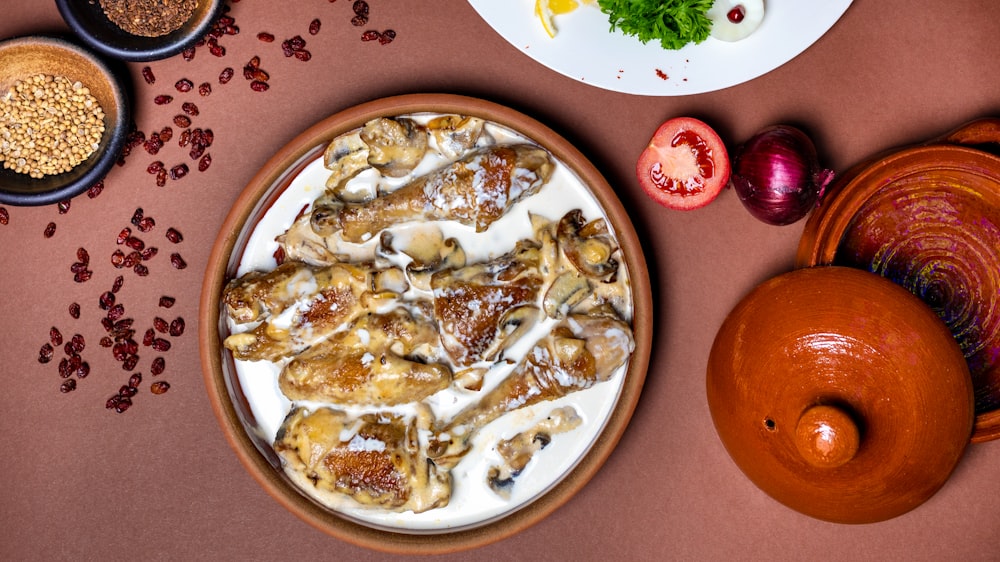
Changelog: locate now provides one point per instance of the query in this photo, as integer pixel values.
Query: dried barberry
(167, 302)
(147, 75)
(166, 133)
(95, 189)
(116, 285)
(259, 86)
(63, 207)
(184, 85)
(106, 300)
(177, 327)
(159, 387)
(74, 310)
(265, 37)
(174, 235)
(67, 386)
(226, 75)
(163, 99)
(188, 54)
(190, 108)
(158, 366)
(178, 171)
(50, 230)
(182, 121)
(314, 26)
(177, 261)
(303, 55)
(160, 344)
(386, 37)
(45, 353)
(4, 215)
(205, 162)
(204, 89)
(145, 225)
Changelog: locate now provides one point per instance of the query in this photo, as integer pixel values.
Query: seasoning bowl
(24, 57)
(276, 195)
(90, 22)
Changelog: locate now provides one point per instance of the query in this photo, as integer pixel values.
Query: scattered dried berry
(117, 284)
(177, 261)
(184, 85)
(259, 86)
(205, 89)
(205, 162)
(166, 133)
(182, 121)
(304, 55)
(4, 215)
(265, 37)
(188, 54)
(178, 171)
(314, 26)
(95, 189)
(160, 344)
(167, 302)
(45, 353)
(190, 108)
(386, 37)
(370, 35)
(226, 75)
(163, 100)
(159, 387)
(147, 75)
(63, 207)
(74, 310)
(177, 327)
(158, 366)
(174, 236)
(145, 225)
(67, 386)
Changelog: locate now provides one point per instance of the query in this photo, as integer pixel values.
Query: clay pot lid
(928, 218)
(840, 394)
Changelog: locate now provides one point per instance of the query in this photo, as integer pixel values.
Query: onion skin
(777, 175)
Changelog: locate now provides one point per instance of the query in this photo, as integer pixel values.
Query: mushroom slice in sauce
(395, 146)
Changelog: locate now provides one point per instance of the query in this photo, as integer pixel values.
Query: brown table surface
(161, 482)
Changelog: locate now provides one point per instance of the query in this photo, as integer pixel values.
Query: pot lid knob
(826, 436)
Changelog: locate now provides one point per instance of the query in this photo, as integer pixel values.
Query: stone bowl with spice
(64, 115)
(140, 30)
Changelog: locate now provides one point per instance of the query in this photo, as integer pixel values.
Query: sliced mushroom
(395, 146)
(454, 134)
(324, 219)
(587, 245)
(514, 324)
(568, 290)
(345, 157)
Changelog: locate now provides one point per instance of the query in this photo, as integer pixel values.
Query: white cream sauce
(472, 502)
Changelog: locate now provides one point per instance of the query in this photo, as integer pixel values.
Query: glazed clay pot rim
(825, 228)
(218, 386)
(61, 187)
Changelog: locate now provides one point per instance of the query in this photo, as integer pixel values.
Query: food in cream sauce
(446, 286)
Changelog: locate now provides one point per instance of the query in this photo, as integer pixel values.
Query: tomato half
(685, 165)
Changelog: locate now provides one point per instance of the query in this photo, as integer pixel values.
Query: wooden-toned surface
(160, 481)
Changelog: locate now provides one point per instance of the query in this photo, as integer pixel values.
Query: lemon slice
(546, 9)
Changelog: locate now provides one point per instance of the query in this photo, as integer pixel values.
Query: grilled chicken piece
(381, 359)
(479, 306)
(475, 191)
(376, 459)
(581, 351)
(299, 305)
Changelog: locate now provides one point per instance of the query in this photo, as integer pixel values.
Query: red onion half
(777, 175)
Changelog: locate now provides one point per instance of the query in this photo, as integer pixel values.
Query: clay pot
(840, 394)
(928, 218)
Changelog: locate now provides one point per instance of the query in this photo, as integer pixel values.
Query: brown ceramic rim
(258, 194)
(825, 228)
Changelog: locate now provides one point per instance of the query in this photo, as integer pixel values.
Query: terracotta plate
(248, 420)
(927, 218)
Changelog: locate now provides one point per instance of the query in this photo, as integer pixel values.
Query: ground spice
(149, 18)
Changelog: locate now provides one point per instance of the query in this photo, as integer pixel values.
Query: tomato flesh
(685, 165)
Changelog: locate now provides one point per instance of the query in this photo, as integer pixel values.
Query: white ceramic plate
(586, 50)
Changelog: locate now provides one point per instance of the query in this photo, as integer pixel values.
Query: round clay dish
(840, 394)
(233, 408)
(927, 218)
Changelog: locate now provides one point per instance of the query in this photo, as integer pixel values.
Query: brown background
(160, 481)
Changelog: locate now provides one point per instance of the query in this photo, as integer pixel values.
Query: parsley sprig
(674, 23)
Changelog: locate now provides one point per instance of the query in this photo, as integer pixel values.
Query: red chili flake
(177, 261)
(370, 35)
(303, 55)
(67, 386)
(184, 85)
(4, 215)
(158, 366)
(167, 302)
(190, 108)
(55, 336)
(204, 89)
(182, 121)
(145, 225)
(205, 162)
(177, 327)
(147, 75)
(106, 300)
(259, 86)
(161, 178)
(95, 190)
(152, 169)
(45, 353)
(63, 207)
(188, 54)
(386, 37)
(118, 259)
(148, 337)
(163, 100)
(265, 37)
(314, 26)
(130, 362)
(117, 284)
(174, 236)
(159, 387)
(226, 75)
(160, 344)
(74, 310)
(134, 242)
(178, 171)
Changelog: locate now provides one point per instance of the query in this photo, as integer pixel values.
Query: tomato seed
(159, 387)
